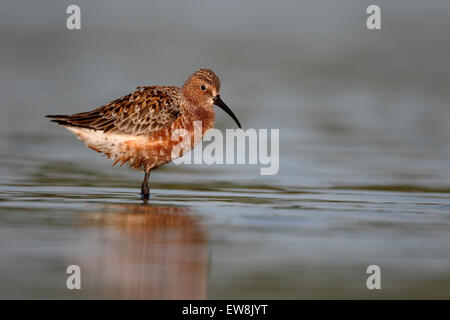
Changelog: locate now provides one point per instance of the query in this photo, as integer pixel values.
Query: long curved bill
(218, 102)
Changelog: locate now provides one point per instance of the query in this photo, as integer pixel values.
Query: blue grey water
(364, 119)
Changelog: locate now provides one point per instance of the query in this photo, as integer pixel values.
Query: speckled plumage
(144, 111)
(136, 129)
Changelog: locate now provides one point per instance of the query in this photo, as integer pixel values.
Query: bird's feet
(145, 190)
(145, 197)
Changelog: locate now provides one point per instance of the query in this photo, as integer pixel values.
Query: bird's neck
(204, 114)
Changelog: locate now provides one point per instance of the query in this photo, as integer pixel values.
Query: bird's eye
(203, 87)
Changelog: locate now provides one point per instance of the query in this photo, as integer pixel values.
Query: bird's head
(202, 89)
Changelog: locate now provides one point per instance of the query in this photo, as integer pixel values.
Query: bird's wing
(142, 112)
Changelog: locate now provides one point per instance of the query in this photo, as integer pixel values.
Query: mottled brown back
(142, 112)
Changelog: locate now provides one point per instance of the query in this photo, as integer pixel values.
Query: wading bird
(137, 129)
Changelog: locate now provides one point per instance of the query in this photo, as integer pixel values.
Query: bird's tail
(59, 119)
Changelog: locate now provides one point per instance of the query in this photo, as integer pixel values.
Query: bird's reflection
(146, 252)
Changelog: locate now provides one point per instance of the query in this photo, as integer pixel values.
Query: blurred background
(364, 119)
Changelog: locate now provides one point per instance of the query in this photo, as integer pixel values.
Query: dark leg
(145, 191)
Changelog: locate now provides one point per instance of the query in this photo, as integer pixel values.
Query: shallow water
(364, 122)
(203, 236)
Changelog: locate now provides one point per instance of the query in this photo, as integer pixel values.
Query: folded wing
(142, 112)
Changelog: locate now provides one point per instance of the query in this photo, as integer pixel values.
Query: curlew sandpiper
(136, 129)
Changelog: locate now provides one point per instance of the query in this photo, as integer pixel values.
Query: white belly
(108, 143)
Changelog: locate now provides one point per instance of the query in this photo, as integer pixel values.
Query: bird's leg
(145, 192)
